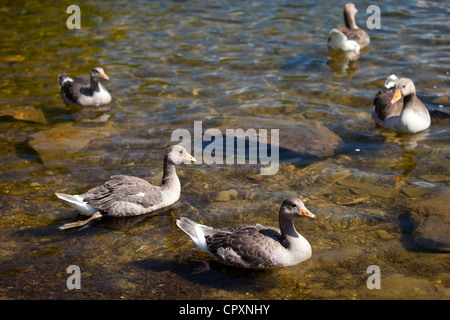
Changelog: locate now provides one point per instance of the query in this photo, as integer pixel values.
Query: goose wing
(358, 35)
(72, 90)
(383, 106)
(250, 246)
(121, 192)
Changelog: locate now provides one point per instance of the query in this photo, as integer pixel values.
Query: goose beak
(190, 158)
(305, 212)
(397, 96)
(104, 76)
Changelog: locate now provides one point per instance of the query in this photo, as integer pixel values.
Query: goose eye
(181, 151)
(294, 206)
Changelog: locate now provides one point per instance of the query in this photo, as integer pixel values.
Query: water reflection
(123, 223)
(407, 165)
(342, 62)
(407, 143)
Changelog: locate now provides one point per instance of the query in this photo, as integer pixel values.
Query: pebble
(382, 234)
(226, 195)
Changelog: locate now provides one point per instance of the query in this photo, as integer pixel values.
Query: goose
(396, 107)
(255, 246)
(123, 195)
(351, 32)
(86, 93)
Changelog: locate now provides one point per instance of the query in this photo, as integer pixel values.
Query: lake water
(229, 64)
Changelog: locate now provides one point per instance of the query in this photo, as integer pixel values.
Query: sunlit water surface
(228, 64)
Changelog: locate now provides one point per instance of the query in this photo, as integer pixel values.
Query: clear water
(229, 64)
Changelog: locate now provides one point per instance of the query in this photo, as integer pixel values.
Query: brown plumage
(130, 196)
(247, 245)
(119, 195)
(255, 246)
(382, 105)
(351, 30)
(86, 93)
(397, 107)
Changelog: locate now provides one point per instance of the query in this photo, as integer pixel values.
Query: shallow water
(228, 64)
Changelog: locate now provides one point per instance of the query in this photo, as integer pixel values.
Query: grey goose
(123, 195)
(350, 37)
(86, 93)
(255, 246)
(396, 107)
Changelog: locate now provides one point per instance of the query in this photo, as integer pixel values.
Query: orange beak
(397, 96)
(104, 76)
(305, 212)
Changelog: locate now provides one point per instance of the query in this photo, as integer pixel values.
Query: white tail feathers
(195, 231)
(391, 81)
(63, 78)
(77, 202)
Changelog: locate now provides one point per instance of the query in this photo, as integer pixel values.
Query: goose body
(86, 93)
(255, 246)
(396, 107)
(351, 32)
(130, 196)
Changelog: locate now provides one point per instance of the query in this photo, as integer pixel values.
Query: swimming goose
(86, 93)
(397, 107)
(255, 246)
(130, 196)
(351, 31)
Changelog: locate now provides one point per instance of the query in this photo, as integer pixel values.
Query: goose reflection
(407, 142)
(343, 62)
(124, 223)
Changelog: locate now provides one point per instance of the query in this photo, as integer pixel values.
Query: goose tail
(195, 231)
(77, 202)
(63, 78)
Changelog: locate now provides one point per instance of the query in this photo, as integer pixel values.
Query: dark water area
(380, 198)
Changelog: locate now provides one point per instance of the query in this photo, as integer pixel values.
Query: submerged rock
(431, 221)
(65, 140)
(24, 113)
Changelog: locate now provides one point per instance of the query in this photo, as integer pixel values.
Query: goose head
(294, 207)
(404, 87)
(98, 73)
(349, 16)
(177, 154)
